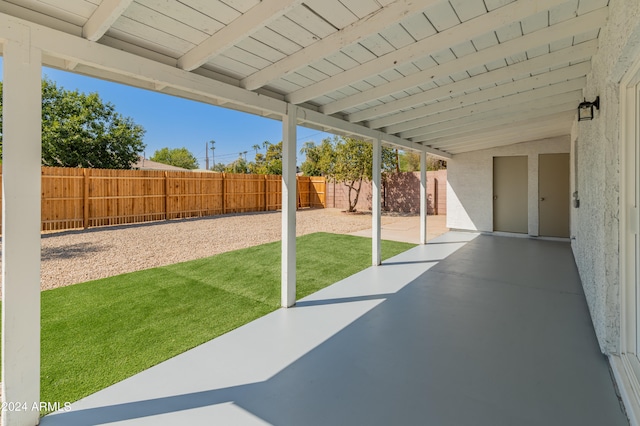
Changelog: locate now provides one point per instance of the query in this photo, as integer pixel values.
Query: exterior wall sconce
(585, 109)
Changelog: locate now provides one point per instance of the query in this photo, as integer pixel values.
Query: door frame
(626, 366)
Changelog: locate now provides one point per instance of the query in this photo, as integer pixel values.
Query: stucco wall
(595, 148)
(470, 183)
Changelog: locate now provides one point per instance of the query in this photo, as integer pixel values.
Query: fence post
(224, 193)
(266, 197)
(166, 196)
(85, 198)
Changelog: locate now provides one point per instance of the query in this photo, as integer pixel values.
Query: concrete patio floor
(467, 330)
(407, 228)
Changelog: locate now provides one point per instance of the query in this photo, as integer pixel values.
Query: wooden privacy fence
(75, 198)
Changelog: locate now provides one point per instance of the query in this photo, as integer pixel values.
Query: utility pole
(213, 152)
(206, 154)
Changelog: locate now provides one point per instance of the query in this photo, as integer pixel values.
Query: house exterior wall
(596, 161)
(470, 183)
(595, 175)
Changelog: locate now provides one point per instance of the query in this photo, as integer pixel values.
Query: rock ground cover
(77, 256)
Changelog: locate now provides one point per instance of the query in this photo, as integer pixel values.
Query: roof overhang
(431, 75)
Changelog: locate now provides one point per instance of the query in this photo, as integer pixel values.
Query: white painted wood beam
(103, 18)
(540, 128)
(335, 124)
(132, 67)
(420, 125)
(501, 116)
(457, 90)
(289, 205)
(116, 65)
(376, 215)
(248, 23)
(548, 133)
(423, 198)
(539, 63)
(472, 28)
(503, 90)
(481, 126)
(348, 35)
(531, 110)
(525, 130)
(551, 131)
(569, 28)
(21, 175)
(41, 18)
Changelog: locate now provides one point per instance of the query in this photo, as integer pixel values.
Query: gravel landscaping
(76, 256)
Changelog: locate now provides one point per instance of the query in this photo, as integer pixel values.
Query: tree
(80, 130)
(179, 157)
(257, 164)
(218, 167)
(238, 166)
(346, 160)
(318, 158)
(271, 163)
(410, 162)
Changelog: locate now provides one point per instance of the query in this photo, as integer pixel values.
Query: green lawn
(97, 333)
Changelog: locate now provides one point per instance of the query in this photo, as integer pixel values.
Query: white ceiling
(454, 75)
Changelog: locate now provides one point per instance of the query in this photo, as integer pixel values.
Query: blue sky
(175, 122)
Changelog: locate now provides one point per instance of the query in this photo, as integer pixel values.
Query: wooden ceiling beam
(557, 104)
(415, 117)
(348, 35)
(248, 23)
(506, 102)
(103, 18)
(539, 63)
(542, 128)
(472, 28)
(569, 28)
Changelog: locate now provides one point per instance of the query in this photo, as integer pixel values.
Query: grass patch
(97, 333)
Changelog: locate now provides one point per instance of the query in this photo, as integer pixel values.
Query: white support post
(423, 197)
(375, 203)
(288, 288)
(21, 174)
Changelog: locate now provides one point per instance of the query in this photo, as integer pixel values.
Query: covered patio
(497, 332)
(466, 330)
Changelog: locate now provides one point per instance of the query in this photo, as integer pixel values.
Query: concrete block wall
(470, 183)
(337, 196)
(596, 160)
(401, 193)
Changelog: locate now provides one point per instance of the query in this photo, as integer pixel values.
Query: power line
(309, 136)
